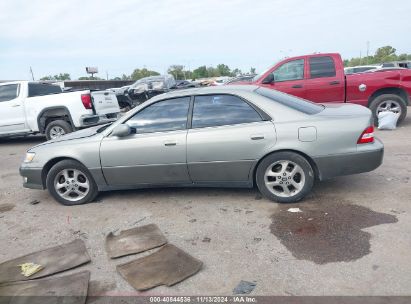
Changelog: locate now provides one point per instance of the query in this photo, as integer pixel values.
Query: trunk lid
(344, 109)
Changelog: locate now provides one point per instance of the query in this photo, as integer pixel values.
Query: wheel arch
(308, 158)
(390, 90)
(53, 113)
(51, 163)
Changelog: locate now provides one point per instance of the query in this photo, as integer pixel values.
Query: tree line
(382, 54)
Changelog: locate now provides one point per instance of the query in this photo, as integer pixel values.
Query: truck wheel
(388, 102)
(57, 128)
(284, 177)
(70, 183)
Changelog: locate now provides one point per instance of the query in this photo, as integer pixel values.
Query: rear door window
(322, 67)
(9, 92)
(41, 89)
(219, 110)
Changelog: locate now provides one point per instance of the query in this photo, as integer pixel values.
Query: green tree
(90, 78)
(141, 73)
(200, 72)
(223, 70)
(252, 70)
(177, 71)
(60, 77)
(385, 53)
(236, 72)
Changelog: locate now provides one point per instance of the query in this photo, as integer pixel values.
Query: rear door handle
(170, 143)
(257, 137)
(334, 82)
(297, 86)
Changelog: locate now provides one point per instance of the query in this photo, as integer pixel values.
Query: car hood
(89, 132)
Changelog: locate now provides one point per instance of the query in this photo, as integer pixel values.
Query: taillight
(86, 100)
(367, 136)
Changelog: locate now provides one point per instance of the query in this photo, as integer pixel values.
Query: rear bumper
(32, 178)
(94, 120)
(353, 163)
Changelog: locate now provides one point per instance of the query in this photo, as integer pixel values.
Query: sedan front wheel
(285, 177)
(70, 183)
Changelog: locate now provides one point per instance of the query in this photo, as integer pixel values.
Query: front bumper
(94, 120)
(345, 164)
(32, 178)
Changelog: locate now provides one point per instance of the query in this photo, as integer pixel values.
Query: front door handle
(297, 86)
(257, 137)
(334, 82)
(15, 105)
(170, 143)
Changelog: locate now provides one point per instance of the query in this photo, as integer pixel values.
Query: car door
(12, 116)
(155, 152)
(289, 78)
(324, 83)
(226, 139)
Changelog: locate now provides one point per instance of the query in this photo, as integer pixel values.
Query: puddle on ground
(326, 231)
(6, 207)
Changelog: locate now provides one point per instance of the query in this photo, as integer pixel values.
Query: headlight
(29, 157)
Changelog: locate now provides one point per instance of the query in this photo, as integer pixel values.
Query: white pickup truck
(35, 107)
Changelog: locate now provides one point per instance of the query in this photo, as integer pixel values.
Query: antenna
(31, 71)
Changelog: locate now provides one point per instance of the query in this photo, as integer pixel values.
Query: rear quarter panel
(375, 81)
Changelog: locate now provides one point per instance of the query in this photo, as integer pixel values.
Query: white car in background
(35, 107)
(360, 69)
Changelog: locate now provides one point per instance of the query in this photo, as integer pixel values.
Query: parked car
(359, 69)
(231, 136)
(35, 107)
(243, 78)
(184, 84)
(398, 64)
(320, 78)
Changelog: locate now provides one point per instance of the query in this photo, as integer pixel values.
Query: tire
(276, 169)
(59, 127)
(381, 101)
(57, 176)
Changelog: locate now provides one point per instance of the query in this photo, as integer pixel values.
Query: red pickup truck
(320, 78)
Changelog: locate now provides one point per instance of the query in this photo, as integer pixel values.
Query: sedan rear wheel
(285, 177)
(70, 183)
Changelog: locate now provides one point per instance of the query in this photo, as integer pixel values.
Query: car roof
(229, 89)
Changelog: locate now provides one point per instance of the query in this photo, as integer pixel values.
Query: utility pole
(32, 75)
(368, 50)
(107, 75)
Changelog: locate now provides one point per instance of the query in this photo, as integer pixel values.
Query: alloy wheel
(71, 184)
(284, 178)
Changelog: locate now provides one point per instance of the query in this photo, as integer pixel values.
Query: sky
(118, 36)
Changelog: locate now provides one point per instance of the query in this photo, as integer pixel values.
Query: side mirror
(269, 79)
(121, 130)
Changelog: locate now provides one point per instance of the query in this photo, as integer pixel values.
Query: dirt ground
(351, 238)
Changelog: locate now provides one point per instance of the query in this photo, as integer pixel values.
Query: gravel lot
(352, 238)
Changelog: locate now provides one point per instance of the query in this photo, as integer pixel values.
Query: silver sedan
(231, 136)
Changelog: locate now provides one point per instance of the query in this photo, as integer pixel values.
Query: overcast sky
(118, 36)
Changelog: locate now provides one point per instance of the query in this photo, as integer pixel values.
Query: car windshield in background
(293, 102)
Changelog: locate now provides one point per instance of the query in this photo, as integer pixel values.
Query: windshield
(290, 101)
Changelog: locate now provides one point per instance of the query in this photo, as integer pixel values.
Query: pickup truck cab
(35, 107)
(321, 78)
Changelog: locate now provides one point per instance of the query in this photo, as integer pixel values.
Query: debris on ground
(206, 240)
(28, 269)
(134, 240)
(34, 202)
(53, 260)
(244, 287)
(294, 210)
(73, 286)
(167, 266)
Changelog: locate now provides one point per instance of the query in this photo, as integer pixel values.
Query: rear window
(41, 89)
(290, 101)
(322, 67)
